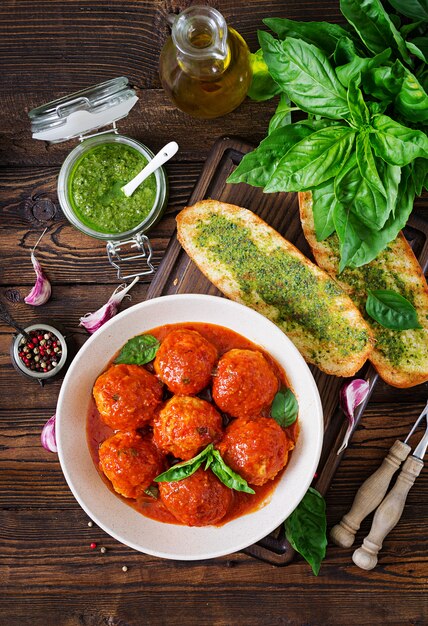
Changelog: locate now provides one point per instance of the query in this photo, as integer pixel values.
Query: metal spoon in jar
(119, 188)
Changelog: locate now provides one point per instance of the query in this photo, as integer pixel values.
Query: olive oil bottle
(204, 65)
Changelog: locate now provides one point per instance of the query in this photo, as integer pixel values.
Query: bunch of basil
(361, 150)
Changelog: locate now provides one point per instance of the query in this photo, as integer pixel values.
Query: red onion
(48, 435)
(351, 395)
(41, 292)
(94, 321)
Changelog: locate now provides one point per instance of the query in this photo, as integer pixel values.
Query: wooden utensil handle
(369, 495)
(387, 515)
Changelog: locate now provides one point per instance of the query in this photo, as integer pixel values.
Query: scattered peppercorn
(40, 352)
(90, 524)
(103, 550)
(124, 568)
(93, 545)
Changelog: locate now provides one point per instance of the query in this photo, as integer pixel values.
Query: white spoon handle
(161, 157)
(369, 495)
(388, 514)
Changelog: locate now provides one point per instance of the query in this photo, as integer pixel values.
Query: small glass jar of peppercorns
(40, 353)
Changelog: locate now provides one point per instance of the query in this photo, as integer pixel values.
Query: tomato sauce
(224, 339)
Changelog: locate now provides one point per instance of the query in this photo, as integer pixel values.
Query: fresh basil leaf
(323, 122)
(323, 203)
(422, 77)
(349, 239)
(257, 167)
(138, 350)
(347, 70)
(390, 176)
(152, 491)
(419, 175)
(396, 144)
(414, 49)
(282, 115)
(412, 100)
(360, 114)
(356, 202)
(422, 44)
(415, 9)
(384, 82)
(396, 20)
(305, 74)
(366, 161)
(313, 160)
(285, 408)
(409, 28)
(345, 51)
(262, 87)
(374, 26)
(320, 34)
(359, 188)
(185, 468)
(306, 529)
(227, 476)
(376, 108)
(391, 310)
(373, 242)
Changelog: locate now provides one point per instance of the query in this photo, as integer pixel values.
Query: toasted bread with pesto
(400, 356)
(251, 263)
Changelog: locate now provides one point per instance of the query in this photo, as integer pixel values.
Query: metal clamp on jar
(77, 116)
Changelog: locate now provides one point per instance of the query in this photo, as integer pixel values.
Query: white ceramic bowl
(122, 521)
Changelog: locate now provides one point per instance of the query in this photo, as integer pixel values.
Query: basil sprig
(391, 310)
(363, 149)
(214, 461)
(227, 476)
(185, 468)
(284, 408)
(306, 529)
(139, 350)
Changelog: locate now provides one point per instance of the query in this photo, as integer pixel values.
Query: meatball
(245, 383)
(199, 500)
(130, 462)
(184, 361)
(186, 425)
(257, 449)
(127, 396)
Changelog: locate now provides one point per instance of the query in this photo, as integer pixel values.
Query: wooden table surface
(49, 574)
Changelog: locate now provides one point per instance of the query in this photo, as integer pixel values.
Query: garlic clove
(94, 321)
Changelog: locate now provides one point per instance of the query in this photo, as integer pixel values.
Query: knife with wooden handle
(389, 512)
(373, 490)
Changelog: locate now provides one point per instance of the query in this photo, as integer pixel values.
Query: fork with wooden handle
(388, 514)
(373, 490)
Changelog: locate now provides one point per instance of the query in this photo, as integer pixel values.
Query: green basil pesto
(400, 347)
(94, 188)
(281, 281)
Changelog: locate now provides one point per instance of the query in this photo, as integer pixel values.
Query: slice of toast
(400, 357)
(251, 263)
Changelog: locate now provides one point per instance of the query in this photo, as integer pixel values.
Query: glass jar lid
(83, 111)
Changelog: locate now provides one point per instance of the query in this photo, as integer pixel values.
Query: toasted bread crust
(400, 357)
(245, 258)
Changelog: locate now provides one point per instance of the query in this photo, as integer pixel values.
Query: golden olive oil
(204, 65)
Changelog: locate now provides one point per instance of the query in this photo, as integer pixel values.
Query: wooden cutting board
(178, 274)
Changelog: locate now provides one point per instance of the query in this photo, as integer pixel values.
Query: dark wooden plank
(42, 546)
(46, 38)
(49, 574)
(74, 46)
(30, 204)
(154, 121)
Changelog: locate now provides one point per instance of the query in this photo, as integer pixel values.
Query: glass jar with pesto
(91, 177)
